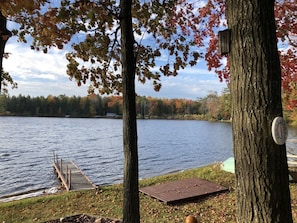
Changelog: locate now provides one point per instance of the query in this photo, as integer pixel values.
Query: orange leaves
(115, 100)
(286, 21)
(171, 35)
(13, 7)
(212, 56)
(211, 17)
(166, 28)
(289, 77)
(286, 16)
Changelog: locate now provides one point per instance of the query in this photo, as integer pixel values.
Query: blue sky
(39, 74)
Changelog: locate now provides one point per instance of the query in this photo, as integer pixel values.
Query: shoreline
(30, 194)
(55, 190)
(108, 202)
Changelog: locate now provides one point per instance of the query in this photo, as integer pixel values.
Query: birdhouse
(224, 41)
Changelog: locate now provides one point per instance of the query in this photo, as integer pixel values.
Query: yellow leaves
(11, 7)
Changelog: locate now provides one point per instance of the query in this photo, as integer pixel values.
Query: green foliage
(95, 105)
(3, 106)
(6, 81)
(216, 107)
(57, 106)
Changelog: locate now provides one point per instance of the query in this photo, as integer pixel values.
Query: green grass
(107, 202)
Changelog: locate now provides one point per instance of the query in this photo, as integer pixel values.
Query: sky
(39, 74)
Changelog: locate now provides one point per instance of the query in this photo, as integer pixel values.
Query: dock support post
(61, 166)
(69, 183)
(67, 175)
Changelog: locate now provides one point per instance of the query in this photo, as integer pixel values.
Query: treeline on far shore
(211, 107)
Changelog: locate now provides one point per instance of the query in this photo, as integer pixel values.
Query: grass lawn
(107, 202)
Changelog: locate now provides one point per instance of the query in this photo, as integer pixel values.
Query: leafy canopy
(92, 28)
(168, 34)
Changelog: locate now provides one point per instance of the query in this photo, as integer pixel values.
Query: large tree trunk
(261, 165)
(131, 194)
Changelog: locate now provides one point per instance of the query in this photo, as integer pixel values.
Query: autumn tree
(261, 166)
(213, 105)
(255, 79)
(142, 106)
(286, 21)
(112, 51)
(225, 103)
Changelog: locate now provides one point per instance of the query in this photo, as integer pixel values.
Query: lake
(27, 146)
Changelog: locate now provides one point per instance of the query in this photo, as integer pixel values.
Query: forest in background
(211, 107)
(214, 107)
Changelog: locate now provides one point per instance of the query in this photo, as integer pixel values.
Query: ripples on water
(27, 146)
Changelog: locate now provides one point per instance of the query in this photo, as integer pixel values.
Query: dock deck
(71, 176)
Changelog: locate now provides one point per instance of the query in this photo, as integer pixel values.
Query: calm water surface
(27, 146)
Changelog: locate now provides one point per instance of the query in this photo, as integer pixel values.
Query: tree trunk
(4, 35)
(131, 194)
(2, 46)
(260, 164)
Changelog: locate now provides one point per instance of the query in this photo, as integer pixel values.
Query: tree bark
(260, 164)
(4, 35)
(131, 194)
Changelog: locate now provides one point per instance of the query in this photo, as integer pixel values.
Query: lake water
(27, 146)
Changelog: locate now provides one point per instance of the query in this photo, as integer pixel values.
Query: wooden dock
(71, 176)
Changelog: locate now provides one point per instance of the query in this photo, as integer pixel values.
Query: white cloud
(36, 88)
(25, 63)
(39, 74)
(191, 83)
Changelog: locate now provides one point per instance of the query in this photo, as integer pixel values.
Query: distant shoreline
(169, 117)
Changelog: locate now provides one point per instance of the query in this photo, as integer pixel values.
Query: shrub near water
(107, 202)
